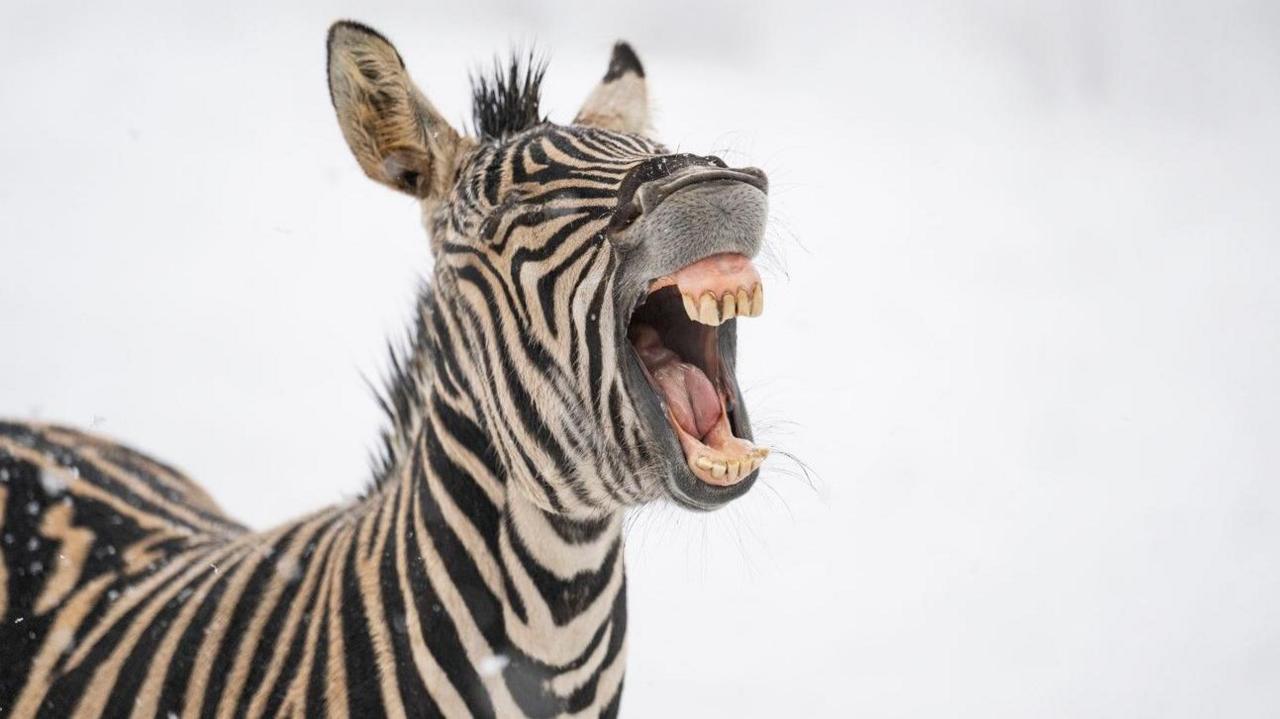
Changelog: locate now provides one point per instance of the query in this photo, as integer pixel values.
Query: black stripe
(585, 694)
(363, 695)
(565, 598)
(173, 690)
(269, 640)
(465, 492)
(21, 629)
(413, 692)
(313, 608)
(437, 626)
(141, 657)
(245, 606)
(485, 608)
(318, 680)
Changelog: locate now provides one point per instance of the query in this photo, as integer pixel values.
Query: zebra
(572, 356)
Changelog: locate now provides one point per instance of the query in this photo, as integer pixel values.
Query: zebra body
(137, 597)
(552, 381)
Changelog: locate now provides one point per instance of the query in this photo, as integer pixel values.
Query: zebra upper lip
(677, 343)
(716, 289)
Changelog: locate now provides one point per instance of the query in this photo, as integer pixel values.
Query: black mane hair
(506, 101)
(403, 391)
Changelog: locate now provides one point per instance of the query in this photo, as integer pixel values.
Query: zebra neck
(565, 613)
(559, 573)
(557, 577)
(536, 600)
(564, 578)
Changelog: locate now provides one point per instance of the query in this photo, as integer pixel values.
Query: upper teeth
(710, 310)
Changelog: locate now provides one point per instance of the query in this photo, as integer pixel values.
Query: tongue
(692, 399)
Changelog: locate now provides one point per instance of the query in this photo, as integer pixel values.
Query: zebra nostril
(623, 216)
(653, 193)
(648, 197)
(722, 209)
(653, 170)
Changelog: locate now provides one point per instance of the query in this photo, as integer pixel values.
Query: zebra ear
(398, 138)
(621, 101)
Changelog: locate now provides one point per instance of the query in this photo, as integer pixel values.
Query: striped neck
(534, 601)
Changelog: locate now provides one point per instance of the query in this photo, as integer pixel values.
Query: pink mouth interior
(691, 398)
(681, 358)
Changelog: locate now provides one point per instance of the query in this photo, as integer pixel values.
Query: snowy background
(1023, 320)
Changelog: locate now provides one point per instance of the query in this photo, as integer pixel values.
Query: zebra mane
(506, 101)
(402, 394)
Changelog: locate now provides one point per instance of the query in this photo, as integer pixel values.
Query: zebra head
(587, 280)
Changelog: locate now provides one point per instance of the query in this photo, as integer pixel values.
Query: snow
(54, 479)
(494, 664)
(1021, 321)
(289, 568)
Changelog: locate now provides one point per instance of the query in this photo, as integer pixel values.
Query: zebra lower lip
(681, 360)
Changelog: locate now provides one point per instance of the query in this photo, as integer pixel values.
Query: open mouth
(676, 334)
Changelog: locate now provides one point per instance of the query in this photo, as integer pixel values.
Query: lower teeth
(733, 467)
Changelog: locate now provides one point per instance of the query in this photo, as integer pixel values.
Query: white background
(1023, 320)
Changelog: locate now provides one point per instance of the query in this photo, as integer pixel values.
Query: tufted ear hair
(621, 101)
(398, 138)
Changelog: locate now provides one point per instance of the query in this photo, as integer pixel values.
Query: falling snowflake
(289, 569)
(491, 665)
(55, 480)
